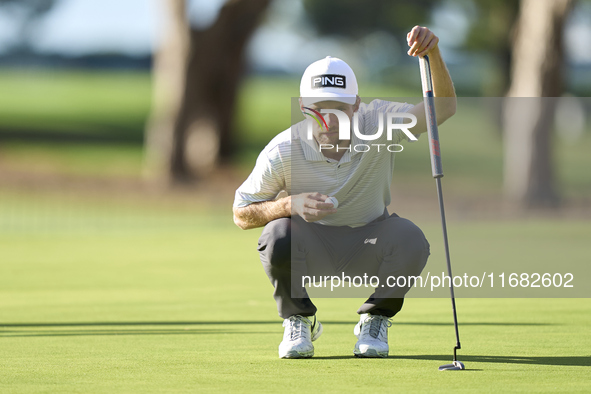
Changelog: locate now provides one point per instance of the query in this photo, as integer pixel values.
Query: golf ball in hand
(333, 201)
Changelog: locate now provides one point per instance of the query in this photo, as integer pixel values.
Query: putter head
(455, 366)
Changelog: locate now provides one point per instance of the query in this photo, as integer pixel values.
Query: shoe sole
(370, 353)
(294, 354)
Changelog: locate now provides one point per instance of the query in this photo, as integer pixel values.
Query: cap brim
(347, 99)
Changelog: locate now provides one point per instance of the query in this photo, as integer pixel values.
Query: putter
(437, 172)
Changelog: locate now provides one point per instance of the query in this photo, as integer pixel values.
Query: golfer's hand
(421, 41)
(311, 206)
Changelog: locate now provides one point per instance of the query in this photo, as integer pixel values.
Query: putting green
(183, 305)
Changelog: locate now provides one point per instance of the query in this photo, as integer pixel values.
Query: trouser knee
(275, 244)
(410, 238)
(408, 248)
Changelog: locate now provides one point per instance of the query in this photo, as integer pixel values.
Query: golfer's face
(330, 136)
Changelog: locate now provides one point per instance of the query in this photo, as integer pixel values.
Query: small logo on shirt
(371, 241)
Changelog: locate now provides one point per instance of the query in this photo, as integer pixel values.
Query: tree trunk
(529, 112)
(196, 77)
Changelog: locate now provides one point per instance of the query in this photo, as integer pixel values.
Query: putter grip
(430, 117)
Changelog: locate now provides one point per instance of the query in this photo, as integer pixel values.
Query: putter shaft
(437, 172)
(448, 260)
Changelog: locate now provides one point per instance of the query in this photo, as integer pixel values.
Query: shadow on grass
(380, 360)
(15, 330)
(583, 361)
(249, 322)
(76, 333)
(135, 328)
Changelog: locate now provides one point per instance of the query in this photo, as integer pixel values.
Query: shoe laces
(296, 326)
(377, 324)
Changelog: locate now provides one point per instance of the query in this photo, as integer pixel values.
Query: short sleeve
(263, 184)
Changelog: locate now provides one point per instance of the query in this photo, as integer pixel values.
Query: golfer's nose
(331, 120)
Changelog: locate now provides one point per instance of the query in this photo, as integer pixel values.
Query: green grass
(99, 103)
(83, 160)
(167, 301)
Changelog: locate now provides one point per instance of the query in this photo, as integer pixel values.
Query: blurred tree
(26, 12)
(491, 31)
(196, 76)
(529, 112)
(352, 18)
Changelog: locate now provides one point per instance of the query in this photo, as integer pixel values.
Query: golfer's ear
(357, 102)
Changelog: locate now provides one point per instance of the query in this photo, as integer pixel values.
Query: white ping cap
(329, 79)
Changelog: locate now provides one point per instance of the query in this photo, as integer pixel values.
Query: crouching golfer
(304, 234)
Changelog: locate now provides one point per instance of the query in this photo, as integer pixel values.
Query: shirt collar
(309, 146)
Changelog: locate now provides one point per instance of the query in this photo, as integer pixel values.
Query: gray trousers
(389, 246)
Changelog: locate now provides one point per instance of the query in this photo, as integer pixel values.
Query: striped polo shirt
(360, 180)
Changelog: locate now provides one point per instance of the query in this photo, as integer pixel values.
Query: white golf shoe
(372, 332)
(299, 333)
